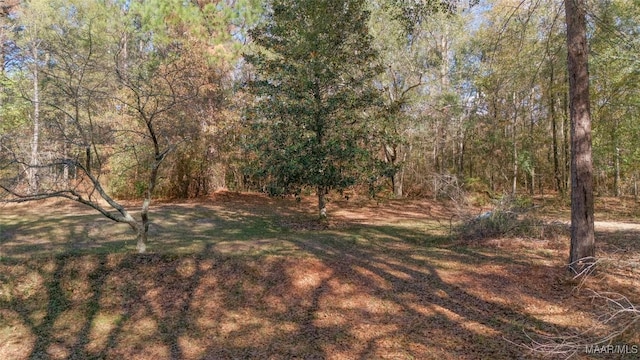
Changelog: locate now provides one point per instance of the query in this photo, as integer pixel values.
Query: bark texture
(582, 250)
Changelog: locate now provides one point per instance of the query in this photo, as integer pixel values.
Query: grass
(249, 277)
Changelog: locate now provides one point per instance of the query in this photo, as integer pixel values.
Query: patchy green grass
(250, 277)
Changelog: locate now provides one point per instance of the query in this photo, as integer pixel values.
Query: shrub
(510, 217)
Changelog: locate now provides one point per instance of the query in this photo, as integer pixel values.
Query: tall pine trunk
(582, 249)
(32, 172)
(554, 135)
(616, 160)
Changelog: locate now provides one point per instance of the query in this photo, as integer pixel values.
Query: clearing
(241, 276)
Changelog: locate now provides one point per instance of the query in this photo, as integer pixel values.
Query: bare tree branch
(619, 316)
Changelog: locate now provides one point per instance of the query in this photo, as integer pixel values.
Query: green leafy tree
(314, 95)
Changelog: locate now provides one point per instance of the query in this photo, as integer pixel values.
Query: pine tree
(582, 251)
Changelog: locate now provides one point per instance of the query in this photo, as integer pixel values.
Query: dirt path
(610, 226)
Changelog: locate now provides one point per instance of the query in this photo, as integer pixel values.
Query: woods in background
(155, 96)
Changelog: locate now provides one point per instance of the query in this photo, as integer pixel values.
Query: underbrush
(511, 217)
(613, 298)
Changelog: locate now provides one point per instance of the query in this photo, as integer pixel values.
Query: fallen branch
(620, 316)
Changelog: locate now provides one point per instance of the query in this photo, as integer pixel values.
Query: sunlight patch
(143, 327)
(557, 314)
(191, 347)
(231, 323)
(102, 326)
(16, 340)
(113, 260)
(391, 271)
(156, 298)
(368, 303)
(58, 351)
(276, 304)
(206, 265)
(151, 350)
(68, 325)
(186, 268)
(249, 247)
(470, 325)
(247, 328)
(379, 280)
(32, 284)
(313, 276)
(421, 309)
(329, 318)
(368, 332)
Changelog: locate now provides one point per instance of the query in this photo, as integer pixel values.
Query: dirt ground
(260, 278)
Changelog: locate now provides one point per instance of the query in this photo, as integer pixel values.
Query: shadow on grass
(618, 240)
(332, 300)
(174, 228)
(235, 285)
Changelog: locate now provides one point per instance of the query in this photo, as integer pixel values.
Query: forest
(474, 97)
(387, 149)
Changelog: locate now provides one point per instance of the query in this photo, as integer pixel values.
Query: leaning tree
(113, 89)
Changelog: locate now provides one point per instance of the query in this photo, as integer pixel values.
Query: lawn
(243, 276)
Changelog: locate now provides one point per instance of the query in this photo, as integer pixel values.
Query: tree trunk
(461, 149)
(616, 180)
(398, 179)
(391, 157)
(582, 250)
(2, 55)
(139, 229)
(87, 151)
(514, 180)
(554, 138)
(616, 160)
(322, 205)
(436, 144)
(532, 152)
(532, 177)
(141, 240)
(146, 202)
(554, 129)
(32, 173)
(566, 153)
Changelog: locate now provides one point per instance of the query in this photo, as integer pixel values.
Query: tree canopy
(394, 98)
(315, 100)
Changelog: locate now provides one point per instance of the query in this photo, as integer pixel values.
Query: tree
(314, 95)
(402, 77)
(582, 249)
(114, 91)
(7, 8)
(34, 19)
(155, 85)
(614, 95)
(418, 82)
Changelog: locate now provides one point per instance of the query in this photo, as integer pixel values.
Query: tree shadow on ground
(338, 297)
(187, 227)
(357, 292)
